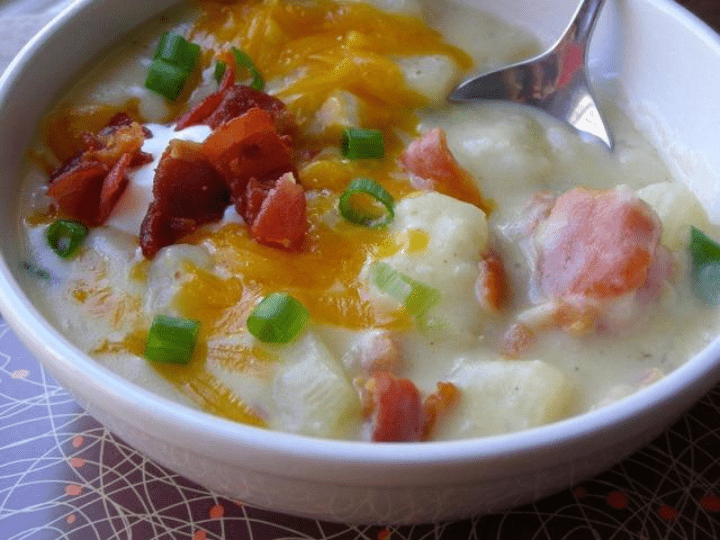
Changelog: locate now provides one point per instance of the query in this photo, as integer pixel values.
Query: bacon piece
(77, 189)
(113, 187)
(233, 100)
(598, 244)
(114, 141)
(445, 397)
(282, 218)
(248, 147)
(88, 185)
(491, 284)
(256, 163)
(202, 110)
(430, 159)
(187, 192)
(239, 99)
(397, 413)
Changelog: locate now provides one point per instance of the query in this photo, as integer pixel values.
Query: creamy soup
(492, 270)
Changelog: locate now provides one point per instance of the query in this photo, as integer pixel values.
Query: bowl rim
(228, 440)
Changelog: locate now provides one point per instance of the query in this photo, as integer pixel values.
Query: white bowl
(669, 64)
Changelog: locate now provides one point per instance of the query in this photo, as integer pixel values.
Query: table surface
(63, 476)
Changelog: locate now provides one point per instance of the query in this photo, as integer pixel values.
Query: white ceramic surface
(669, 64)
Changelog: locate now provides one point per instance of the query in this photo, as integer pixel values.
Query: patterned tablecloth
(64, 476)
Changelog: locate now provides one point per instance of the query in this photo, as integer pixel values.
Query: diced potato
(678, 209)
(311, 393)
(432, 76)
(502, 396)
(456, 236)
(167, 274)
(340, 110)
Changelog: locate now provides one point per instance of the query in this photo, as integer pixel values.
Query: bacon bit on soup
(599, 244)
(434, 167)
(491, 284)
(256, 162)
(445, 397)
(396, 409)
(113, 187)
(233, 100)
(88, 185)
(282, 221)
(202, 110)
(248, 147)
(188, 192)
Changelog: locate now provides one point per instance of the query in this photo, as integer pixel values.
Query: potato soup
(289, 226)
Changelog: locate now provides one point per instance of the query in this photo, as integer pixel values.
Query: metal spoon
(555, 81)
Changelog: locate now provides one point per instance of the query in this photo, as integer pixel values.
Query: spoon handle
(583, 23)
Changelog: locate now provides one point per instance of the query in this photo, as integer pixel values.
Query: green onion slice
(243, 60)
(703, 249)
(174, 49)
(367, 203)
(35, 270)
(166, 79)
(65, 236)
(173, 61)
(705, 254)
(171, 340)
(358, 143)
(278, 318)
(417, 298)
(220, 68)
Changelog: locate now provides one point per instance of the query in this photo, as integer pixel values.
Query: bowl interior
(666, 82)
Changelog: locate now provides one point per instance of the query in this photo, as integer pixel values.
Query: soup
(292, 229)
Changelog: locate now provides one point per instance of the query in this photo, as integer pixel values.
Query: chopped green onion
(65, 236)
(220, 68)
(417, 298)
(705, 266)
(360, 143)
(243, 60)
(173, 61)
(365, 202)
(174, 49)
(166, 79)
(703, 249)
(35, 270)
(278, 318)
(171, 340)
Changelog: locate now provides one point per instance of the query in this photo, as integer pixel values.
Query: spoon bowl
(555, 81)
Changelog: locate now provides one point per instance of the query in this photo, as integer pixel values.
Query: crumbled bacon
(445, 397)
(233, 100)
(244, 161)
(248, 147)
(434, 167)
(281, 220)
(202, 110)
(491, 283)
(88, 185)
(396, 409)
(188, 192)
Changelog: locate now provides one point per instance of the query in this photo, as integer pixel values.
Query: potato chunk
(503, 396)
(311, 393)
(456, 236)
